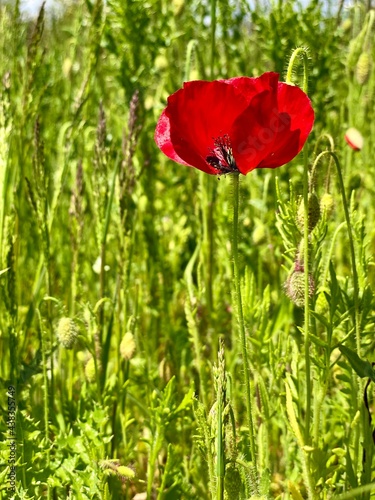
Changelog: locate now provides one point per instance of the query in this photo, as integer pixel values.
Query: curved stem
(352, 250)
(302, 53)
(240, 318)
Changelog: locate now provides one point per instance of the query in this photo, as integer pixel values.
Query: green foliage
(98, 229)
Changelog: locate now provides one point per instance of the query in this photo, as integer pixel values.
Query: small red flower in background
(354, 138)
(235, 125)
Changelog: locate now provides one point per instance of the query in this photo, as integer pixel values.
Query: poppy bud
(354, 138)
(355, 182)
(67, 332)
(232, 482)
(127, 346)
(295, 287)
(314, 212)
(356, 48)
(327, 203)
(363, 68)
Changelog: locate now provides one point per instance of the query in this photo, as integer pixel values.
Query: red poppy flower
(235, 125)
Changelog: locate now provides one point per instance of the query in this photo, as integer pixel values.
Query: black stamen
(221, 156)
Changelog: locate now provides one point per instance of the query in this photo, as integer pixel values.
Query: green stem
(221, 402)
(307, 296)
(240, 318)
(194, 330)
(207, 245)
(302, 53)
(213, 37)
(351, 247)
(45, 378)
(220, 450)
(45, 390)
(189, 54)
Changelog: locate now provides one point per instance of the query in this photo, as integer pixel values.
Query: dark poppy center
(221, 156)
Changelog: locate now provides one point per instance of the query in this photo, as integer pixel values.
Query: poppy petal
(163, 139)
(253, 133)
(240, 123)
(249, 87)
(270, 133)
(296, 121)
(198, 114)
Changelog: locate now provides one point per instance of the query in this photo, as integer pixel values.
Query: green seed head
(67, 332)
(90, 370)
(127, 346)
(363, 68)
(314, 212)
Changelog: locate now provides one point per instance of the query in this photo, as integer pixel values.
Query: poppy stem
(240, 318)
(306, 264)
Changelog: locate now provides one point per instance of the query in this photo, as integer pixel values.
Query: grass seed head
(90, 370)
(67, 332)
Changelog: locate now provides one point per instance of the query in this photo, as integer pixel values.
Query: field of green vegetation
(164, 333)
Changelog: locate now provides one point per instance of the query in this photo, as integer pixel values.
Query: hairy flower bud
(295, 287)
(327, 204)
(67, 332)
(313, 213)
(127, 346)
(363, 68)
(232, 482)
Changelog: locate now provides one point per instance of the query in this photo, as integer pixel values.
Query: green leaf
(318, 341)
(322, 320)
(187, 401)
(362, 368)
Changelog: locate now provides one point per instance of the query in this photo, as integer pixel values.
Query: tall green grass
(117, 313)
